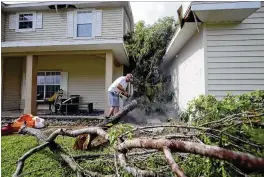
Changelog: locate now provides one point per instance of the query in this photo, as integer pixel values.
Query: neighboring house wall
(187, 71)
(2, 27)
(235, 56)
(54, 26)
(11, 83)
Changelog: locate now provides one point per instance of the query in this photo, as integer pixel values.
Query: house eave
(39, 6)
(179, 39)
(115, 45)
(224, 12)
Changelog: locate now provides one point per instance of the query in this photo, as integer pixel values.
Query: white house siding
(55, 27)
(86, 75)
(187, 71)
(2, 26)
(235, 56)
(11, 83)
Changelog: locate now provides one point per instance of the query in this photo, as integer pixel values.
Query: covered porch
(30, 78)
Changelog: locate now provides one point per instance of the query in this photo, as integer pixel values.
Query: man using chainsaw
(117, 88)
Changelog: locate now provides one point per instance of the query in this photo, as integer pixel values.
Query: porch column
(109, 63)
(31, 85)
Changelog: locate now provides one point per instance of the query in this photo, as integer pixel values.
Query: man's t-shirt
(121, 80)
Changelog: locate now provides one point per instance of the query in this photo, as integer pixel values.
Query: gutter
(130, 15)
(124, 47)
(185, 31)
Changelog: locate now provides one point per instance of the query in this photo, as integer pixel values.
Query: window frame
(33, 21)
(92, 10)
(44, 96)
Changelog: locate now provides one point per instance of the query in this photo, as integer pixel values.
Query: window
(47, 84)
(25, 21)
(84, 23)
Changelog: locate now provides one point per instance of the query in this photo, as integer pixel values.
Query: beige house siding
(2, 27)
(112, 23)
(86, 75)
(55, 27)
(187, 71)
(118, 71)
(11, 83)
(235, 55)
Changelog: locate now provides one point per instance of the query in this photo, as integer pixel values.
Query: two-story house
(74, 46)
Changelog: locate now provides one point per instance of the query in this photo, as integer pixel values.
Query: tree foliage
(240, 116)
(146, 47)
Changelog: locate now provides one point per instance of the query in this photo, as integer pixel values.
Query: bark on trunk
(175, 168)
(244, 161)
(116, 118)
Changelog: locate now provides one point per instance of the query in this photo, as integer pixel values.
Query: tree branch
(245, 161)
(133, 170)
(90, 130)
(192, 127)
(175, 168)
(57, 150)
(114, 119)
(21, 160)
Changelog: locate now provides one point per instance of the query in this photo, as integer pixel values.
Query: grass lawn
(44, 163)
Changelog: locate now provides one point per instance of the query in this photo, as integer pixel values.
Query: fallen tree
(215, 139)
(244, 161)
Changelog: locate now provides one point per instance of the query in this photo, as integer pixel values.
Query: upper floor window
(25, 21)
(84, 23)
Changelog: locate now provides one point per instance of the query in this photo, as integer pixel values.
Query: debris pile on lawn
(30, 120)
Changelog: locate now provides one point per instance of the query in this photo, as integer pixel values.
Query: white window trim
(44, 96)
(33, 22)
(93, 23)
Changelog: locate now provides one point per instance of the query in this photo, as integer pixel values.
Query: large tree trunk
(246, 162)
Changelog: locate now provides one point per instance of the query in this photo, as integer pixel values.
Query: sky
(147, 11)
(152, 11)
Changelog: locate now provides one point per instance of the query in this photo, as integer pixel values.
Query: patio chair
(57, 101)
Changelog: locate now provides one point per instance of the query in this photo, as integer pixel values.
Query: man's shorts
(113, 99)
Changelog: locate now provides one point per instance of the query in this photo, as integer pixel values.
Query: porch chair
(57, 101)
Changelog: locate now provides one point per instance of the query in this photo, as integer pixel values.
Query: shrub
(207, 108)
(238, 115)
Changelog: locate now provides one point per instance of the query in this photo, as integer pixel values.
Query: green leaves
(206, 109)
(117, 130)
(146, 47)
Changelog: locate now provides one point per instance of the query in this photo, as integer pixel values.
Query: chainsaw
(123, 96)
